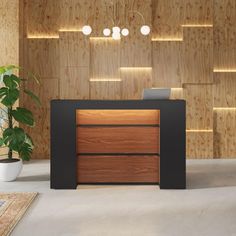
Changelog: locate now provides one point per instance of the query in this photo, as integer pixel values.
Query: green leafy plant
(14, 137)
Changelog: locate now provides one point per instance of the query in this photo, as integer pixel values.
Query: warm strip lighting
(176, 88)
(105, 80)
(195, 25)
(167, 39)
(135, 68)
(43, 36)
(224, 70)
(224, 108)
(199, 130)
(101, 38)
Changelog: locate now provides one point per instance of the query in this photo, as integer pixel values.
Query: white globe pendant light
(125, 32)
(145, 30)
(116, 35)
(106, 32)
(87, 30)
(116, 29)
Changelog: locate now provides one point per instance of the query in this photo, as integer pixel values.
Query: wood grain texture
(198, 12)
(166, 59)
(118, 140)
(224, 89)
(42, 17)
(177, 93)
(224, 34)
(74, 49)
(199, 99)
(43, 57)
(74, 83)
(118, 169)
(136, 48)
(9, 28)
(134, 81)
(86, 117)
(105, 90)
(105, 58)
(197, 55)
(199, 145)
(225, 133)
(167, 19)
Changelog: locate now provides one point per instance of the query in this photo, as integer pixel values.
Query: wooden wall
(192, 49)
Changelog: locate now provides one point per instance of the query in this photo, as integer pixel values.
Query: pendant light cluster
(116, 32)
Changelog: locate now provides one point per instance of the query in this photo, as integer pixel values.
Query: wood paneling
(74, 49)
(105, 58)
(166, 59)
(85, 117)
(199, 106)
(199, 144)
(197, 55)
(224, 34)
(118, 169)
(118, 140)
(109, 90)
(224, 89)
(74, 83)
(43, 57)
(225, 133)
(134, 81)
(42, 17)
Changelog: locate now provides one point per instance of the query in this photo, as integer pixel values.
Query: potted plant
(12, 137)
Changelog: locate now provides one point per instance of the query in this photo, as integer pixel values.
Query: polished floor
(207, 207)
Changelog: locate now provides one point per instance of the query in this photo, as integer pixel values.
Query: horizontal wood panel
(118, 169)
(118, 117)
(118, 140)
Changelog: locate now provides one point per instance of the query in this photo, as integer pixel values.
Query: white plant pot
(10, 171)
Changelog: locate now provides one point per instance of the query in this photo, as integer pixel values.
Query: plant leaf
(9, 96)
(33, 96)
(24, 116)
(25, 151)
(11, 81)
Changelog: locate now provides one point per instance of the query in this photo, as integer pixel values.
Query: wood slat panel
(43, 17)
(224, 34)
(107, 117)
(199, 145)
(225, 133)
(224, 89)
(199, 99)
(166, 64)
(198, 12)
(134, 81)
(43, 57)
(118, 140)
(105, 90)
(118, 169)
(74, 49)
(167, 19)
(105, 58)
(74, 83)
(197, 55)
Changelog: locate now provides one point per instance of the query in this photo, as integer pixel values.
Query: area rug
(12, 208)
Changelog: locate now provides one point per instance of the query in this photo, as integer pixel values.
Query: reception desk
(118, 142)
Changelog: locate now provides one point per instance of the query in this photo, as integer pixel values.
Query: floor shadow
(211, 174)
(35, 178)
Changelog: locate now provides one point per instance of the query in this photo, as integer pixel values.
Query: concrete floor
(207, 207)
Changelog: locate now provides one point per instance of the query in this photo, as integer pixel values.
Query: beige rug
(12, 208)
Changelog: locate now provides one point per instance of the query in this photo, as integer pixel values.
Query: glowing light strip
(224, 70)
(224, 108)
(105, 80)
(43, 36)
(135, 68)
(176, 88)
(199, 130)
(195, 25)
(167, 39)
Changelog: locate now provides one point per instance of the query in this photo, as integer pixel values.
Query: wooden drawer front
(107, 117)
(118, 169)
(118, 140)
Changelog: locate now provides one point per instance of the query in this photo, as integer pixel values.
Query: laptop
(156, 94)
